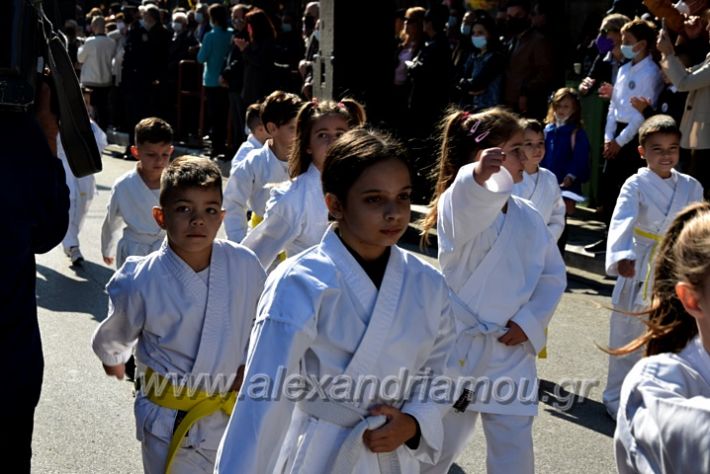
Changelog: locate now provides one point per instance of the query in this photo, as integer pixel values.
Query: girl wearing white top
(664, 415)
(296, 216)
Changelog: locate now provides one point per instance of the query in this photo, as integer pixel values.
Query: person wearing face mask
(483, 71)
(232, 75)
(158, 49)
(183, 46)
(529, 73)
(462, 46)
(202, 18)
(640, 77)
(605, 67)
(290, 49)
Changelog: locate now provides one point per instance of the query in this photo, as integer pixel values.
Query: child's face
(564, 109)
(191, 219)
(639, 46)
(324, 132)
(284, 135)
(154, 157)
(515, 158)
(534, 148)
(661, 152)
(377, 211)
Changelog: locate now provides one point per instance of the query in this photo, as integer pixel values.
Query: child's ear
(271, 128)
(134, 151)
(688, 296)
(159, 216)
(642, 152)
(335, 207)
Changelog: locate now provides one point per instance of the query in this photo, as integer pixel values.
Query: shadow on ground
(575, 407)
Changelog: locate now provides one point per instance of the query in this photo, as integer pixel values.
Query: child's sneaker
(74, 255)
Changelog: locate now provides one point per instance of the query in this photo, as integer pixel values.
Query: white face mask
(177, 26)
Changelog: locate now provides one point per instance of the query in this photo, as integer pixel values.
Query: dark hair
(153, 130)
(524, 4)
(253, 116)
(532, 125)
(437, 15)
(261, 27)
(463, 135)
(663, 124)
(189, 172)
(219, 15)
(352, 154)
(350, 110)
(280, 107)
(684, 255)
(560, 95)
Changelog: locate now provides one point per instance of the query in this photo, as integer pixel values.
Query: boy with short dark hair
(188, 309)
(249, 184)
(257, 135)
(135, 193)
(647, 204)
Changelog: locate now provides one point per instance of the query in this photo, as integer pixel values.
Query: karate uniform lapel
(680, 198)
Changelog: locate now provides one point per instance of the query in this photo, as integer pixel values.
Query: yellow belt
(197, 404)
(255, 221)
(649, 266)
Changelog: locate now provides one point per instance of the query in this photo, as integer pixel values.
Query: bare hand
(241, 43)
(586, 85)
(611, 149)
(118, 371)
(693, 27)
(640, 103)
(108, 260)
(489, 164)
(626, 268)
(664, 44)
(399, 428)
(514, 336)
(605, 90)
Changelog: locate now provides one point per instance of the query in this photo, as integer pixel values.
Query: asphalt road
(84, 422)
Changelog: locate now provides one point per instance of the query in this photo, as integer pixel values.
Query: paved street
(84, 422)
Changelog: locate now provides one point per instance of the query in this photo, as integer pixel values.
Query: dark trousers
(699, 168)
(100, 103)
(615, 172)
(236, 106)
(16, 438)
(217, 109)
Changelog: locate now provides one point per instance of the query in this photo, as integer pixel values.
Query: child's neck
(639, 58)
(280, 152)
(198, 261)
(533, 170)
(152, 183)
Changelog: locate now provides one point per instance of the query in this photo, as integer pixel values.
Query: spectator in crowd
(213, 52)
(233, 73)
(290, 49)
(629, 8)
(118, 119)
(95, 56)
(259, 53)
(529, 72)
(159, 47)
(311, 14)
(411, 42)
(311, 34)
(482, 79)
(202, 18)
(603, 73)
(135, 76)
(463, 48)
(696, 120)
(71, 31)
(183, 46)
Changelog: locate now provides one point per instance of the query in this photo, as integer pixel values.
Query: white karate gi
(503, 267)
(249, 187)
(543, 191)
(296, 218)
(251, 143)
(81, 190)
(664, 415)
(321, 314)
(183, 325)
(131, 206)
(647, 203)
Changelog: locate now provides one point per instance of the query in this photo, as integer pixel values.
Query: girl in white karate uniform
(663, 424)
(296, 216)
(355, 307)
(502, 263)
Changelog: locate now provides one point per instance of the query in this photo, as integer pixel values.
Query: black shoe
(596, 247)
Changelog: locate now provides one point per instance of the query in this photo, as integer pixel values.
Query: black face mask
(516, 26)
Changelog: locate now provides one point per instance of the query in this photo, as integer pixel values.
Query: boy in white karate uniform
(135, 193)
(648, 202)
(81, 194)
(257, 135)
(253, 177)
(188, 310)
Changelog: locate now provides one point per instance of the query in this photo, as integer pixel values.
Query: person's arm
(113, 221)
(275, 232)
(206, 49)
(686, 80)
(610, 126)
(579, 164)
(557, 219)
(83, 52)
(620, 245)
(236, 196)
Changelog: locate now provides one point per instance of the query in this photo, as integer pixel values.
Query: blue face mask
(465, 29)
(628, 51)
(286, 27)
(141, 22)
(479, 42)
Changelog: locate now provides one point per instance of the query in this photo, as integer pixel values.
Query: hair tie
(342, 106)
(465, 114)
(474, 128)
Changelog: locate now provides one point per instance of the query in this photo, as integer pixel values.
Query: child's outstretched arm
(236, 196)
(620, 244)
(112, 224)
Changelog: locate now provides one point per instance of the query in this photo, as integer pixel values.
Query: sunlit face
(191, 219)
(284, 135)
(515, 156)
(153, 158)
(377, 208)
(661, 152)
(629, 39)
(564, 108)
(325, 131)
(534, 148)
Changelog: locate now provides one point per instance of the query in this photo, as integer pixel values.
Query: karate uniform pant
(186, 461)
(509, 443)
(78, 208)
(623, 329)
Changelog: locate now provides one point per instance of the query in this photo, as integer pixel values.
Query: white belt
(348, 417)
